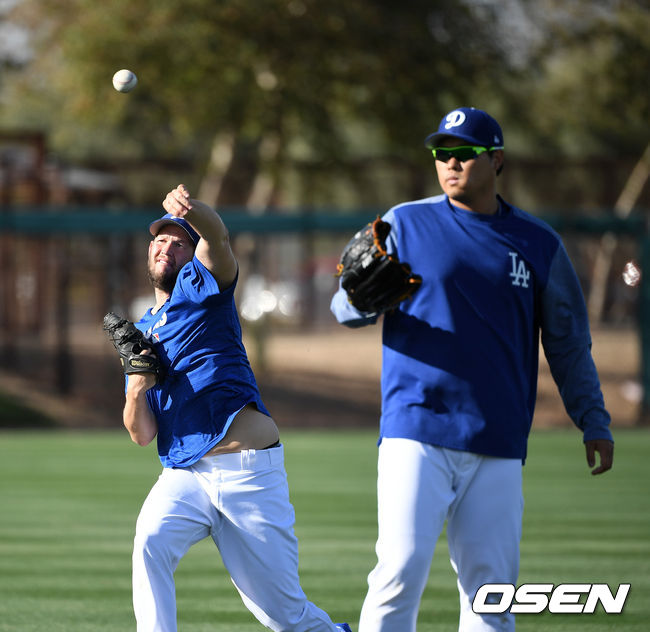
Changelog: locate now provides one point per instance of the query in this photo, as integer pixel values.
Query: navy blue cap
(469, 124)
(155, 227)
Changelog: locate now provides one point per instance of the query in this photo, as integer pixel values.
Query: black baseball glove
(374, 280)
(130, 342)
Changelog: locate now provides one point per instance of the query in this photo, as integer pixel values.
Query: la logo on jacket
(520, 274)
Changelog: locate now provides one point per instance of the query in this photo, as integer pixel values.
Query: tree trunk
(221, 160)
(623, 207)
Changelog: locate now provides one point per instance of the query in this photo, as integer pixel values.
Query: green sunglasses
(462, 154)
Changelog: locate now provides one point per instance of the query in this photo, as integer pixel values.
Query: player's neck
(487, 205)
(161, 298)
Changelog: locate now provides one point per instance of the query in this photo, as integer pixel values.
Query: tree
(248, 91)
(289, 82)
(590, 76)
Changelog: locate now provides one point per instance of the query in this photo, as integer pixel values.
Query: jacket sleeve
(567, 346)
(347, 314)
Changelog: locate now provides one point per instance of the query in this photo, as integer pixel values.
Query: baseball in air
(124, 80)
(631, 274)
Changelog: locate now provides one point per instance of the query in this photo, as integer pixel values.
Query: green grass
(68, 504)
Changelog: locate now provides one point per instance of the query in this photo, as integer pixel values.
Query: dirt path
(326, 379)
(335, 377)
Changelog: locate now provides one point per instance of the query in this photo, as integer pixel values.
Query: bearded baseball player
(223, 464)
(459, 377)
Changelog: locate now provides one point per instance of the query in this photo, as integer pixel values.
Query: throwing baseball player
(189, 383)
(459, 377)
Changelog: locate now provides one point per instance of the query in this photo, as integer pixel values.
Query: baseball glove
(374, 280)
(130, 342)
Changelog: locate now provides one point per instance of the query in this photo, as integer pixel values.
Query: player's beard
(164, 280)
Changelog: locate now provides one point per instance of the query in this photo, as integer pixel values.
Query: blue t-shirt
(460, 359)
(207, 378)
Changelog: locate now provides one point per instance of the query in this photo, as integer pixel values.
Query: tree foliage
(327, 85)
(589, 81)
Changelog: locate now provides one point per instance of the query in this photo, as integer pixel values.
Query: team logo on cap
(454, 119)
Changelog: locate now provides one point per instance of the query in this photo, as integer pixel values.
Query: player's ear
(496, 157)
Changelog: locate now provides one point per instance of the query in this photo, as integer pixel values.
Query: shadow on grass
(15, 415)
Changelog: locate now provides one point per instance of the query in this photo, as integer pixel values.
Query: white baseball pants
(242, 501)
(419, 486)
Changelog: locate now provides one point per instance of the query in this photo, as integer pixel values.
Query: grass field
(68, 504)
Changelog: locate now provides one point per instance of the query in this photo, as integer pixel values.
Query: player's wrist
(139, 384)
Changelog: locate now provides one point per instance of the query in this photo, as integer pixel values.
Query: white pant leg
(413, 493)
(175, 515)
(484, 532)
(256, 538)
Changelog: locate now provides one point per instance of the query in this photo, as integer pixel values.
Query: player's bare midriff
(251, 430)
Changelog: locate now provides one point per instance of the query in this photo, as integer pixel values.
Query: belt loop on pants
(273, 455)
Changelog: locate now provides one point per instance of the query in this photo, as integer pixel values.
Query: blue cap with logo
(155, 227)
(469, 124)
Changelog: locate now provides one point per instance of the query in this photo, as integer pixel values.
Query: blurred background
(300, 121)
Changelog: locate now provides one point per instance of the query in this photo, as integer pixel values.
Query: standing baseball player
(459, 378)
(223, 473)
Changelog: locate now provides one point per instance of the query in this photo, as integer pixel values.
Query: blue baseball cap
(155, 227)
(469, 124)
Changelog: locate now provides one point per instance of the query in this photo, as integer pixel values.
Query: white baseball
(124, 80)
(631, 274)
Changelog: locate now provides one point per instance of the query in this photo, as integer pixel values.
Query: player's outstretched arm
(347, 314)
(605, 448)
(138, 418)
(213, 249)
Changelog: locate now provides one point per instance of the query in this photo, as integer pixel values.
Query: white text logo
(454, 119)
(519, 274)
(561, 599)
(160, 323)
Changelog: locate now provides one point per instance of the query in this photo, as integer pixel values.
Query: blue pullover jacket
(460, 359)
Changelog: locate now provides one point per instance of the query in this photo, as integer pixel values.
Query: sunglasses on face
(462, 154)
